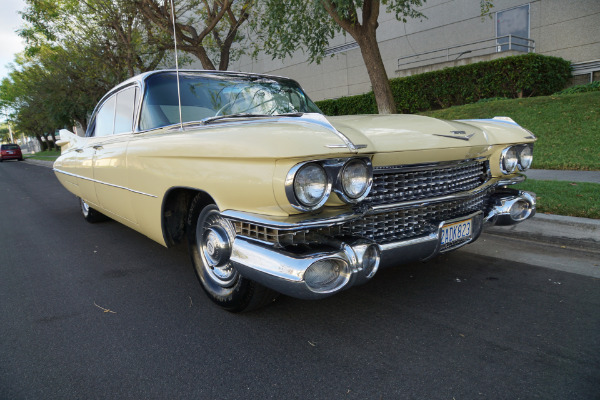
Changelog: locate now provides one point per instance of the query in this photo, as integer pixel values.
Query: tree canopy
(77, 50)
(287, 25)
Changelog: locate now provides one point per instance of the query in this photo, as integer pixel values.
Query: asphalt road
(463, 326)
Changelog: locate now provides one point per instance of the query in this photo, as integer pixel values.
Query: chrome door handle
(79, 150)
(98, 147)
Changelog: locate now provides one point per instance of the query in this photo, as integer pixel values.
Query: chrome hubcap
(85, 208)
(214, 241)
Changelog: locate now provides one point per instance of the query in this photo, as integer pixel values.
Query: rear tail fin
(67, 139)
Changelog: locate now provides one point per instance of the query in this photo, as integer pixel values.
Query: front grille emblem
(462, 135)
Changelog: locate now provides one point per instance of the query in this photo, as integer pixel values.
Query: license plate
(10, 152)
(456, 231)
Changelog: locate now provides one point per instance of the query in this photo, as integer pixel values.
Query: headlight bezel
(503, 158)
(340, 188)
(334, 169)
(291, 187)
(523, 147)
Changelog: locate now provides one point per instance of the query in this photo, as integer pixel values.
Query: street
(99, 311)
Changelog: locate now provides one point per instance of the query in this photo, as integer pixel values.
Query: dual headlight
(516, 157)
(309, 184)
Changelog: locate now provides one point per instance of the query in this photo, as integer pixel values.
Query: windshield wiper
(248, 115)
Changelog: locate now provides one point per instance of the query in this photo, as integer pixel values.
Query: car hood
(398, 132)
(313, 135)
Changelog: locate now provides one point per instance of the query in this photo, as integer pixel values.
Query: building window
(512, 29)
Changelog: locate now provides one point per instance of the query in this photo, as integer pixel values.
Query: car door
(114, 129)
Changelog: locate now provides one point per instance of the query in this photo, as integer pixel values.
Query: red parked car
(10, 152)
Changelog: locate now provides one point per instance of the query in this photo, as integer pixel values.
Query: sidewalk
(571, 176)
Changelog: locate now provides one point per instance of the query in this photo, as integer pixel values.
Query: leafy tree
(310, 24)
(202, 29)
(4, 134)
(121, 39)
(76, 51)
(25, 95)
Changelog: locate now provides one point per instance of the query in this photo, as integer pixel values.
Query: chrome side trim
(103, 183)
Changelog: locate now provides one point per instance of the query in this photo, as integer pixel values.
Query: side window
(105, 118)
(125, 110)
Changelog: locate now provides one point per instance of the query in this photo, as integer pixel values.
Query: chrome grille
(385, 227)
(413, 222)
(256, 232)
(398, 184)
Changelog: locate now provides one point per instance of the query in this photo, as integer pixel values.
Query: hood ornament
(462, 135)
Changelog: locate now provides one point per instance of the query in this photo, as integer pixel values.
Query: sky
(10, 42)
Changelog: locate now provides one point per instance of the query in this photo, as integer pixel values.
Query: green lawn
(49, 155)
(565, 198)
(567, 126)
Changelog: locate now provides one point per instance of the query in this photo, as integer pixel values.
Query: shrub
(508, 77)
(590, 87)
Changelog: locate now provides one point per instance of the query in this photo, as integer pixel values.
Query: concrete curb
(41, 163)
(557, 229)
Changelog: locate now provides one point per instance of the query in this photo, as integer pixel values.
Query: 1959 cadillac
(273, 197)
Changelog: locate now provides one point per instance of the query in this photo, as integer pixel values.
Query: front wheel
(210, 238)
(90, 214)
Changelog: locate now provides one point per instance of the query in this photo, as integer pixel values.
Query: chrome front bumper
(286, 271)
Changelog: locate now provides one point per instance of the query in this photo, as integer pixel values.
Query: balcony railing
(479, 48)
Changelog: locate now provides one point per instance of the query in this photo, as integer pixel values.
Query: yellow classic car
(274, 197)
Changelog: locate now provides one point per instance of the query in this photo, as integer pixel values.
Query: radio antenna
(176, 65)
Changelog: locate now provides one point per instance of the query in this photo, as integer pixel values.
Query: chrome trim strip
(425, 166)
(293, 222)
(512, 181)
(432, 237)
(103, 183)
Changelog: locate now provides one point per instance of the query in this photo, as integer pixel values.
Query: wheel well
(175, 208)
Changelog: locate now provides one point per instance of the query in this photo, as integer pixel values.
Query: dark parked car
(10, 152)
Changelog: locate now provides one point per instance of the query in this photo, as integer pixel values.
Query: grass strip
(567, 126)
(48, 155)
(576, 199)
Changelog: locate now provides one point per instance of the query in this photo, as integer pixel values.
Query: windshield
(206, 95)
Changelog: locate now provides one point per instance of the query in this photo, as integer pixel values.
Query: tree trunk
(54, 140)
(43, 145)
(380, 83)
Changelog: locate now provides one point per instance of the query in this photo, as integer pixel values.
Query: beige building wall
(564, 28)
